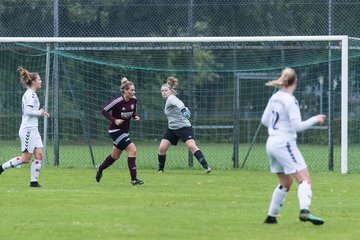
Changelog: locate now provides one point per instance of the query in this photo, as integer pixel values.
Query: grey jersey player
(179, 126)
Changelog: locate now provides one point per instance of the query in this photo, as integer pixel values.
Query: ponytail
(26, 77)
(172, 83)
(287, 78)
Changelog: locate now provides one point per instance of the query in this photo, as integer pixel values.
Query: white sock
(277, 200)
(14, 162)
(35, 170)
(304, 195)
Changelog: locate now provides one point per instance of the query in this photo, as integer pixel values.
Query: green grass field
(178, 204)
(219, 156)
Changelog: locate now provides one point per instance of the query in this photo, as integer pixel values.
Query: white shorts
(30, 139)
(284, 156)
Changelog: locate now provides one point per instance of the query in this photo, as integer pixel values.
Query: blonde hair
(125, 84)
(26, 77)
(172, 84)
(287, 78)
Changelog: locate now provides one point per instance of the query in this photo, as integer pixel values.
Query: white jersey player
(30, 109)
(283, 119)
(179, 126)
(31, 143)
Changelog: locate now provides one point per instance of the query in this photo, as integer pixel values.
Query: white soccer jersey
(30, 109)
(282, 116)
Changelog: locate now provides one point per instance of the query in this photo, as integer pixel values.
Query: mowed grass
(219, 156)
(178, 204)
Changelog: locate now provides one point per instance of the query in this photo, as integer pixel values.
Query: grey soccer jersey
(172, 111)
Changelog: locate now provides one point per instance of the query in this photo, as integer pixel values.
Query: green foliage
(129, 18)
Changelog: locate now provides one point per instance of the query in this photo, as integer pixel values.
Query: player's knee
(193, 148)
(39, 156)
(305, 181)
(163, 146)
(25, 159)
(38, 153)
(132, 152)
(131, 149)
(285, 187)
(162, 151)
(192, 145)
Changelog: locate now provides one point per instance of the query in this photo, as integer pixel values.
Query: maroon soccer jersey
(120, 109)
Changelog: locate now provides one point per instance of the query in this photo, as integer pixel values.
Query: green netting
(222, 83)
(200, 57)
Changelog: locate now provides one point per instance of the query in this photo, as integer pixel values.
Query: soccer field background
(223, 85)
(178, 204)
(219, 156)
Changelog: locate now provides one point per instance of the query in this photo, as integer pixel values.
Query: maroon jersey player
(119, 111)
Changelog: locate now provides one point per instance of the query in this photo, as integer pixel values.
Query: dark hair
(27, 77)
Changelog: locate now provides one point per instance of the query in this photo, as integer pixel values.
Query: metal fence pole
(47, 76)
(56, 87)
(236, 132)
(190, 73)
(330, 99)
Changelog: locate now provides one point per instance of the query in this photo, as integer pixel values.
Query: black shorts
(185, 133)
(120, 139)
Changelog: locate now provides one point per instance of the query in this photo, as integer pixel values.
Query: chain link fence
(178, 18)
(83, 138)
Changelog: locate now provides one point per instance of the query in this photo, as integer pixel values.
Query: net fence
(178, 18)
(223, 84)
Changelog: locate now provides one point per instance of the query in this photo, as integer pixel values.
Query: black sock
(106, 163)
(200, 157)
(132, 167)
(161, 159)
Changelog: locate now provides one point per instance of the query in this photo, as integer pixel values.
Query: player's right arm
(106, 111)
(265, 119)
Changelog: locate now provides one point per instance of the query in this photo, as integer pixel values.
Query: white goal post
(343, 39)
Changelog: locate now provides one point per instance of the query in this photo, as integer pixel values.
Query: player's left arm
(185, 112)
(30, 111)
(295, 118)
(135, 115)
